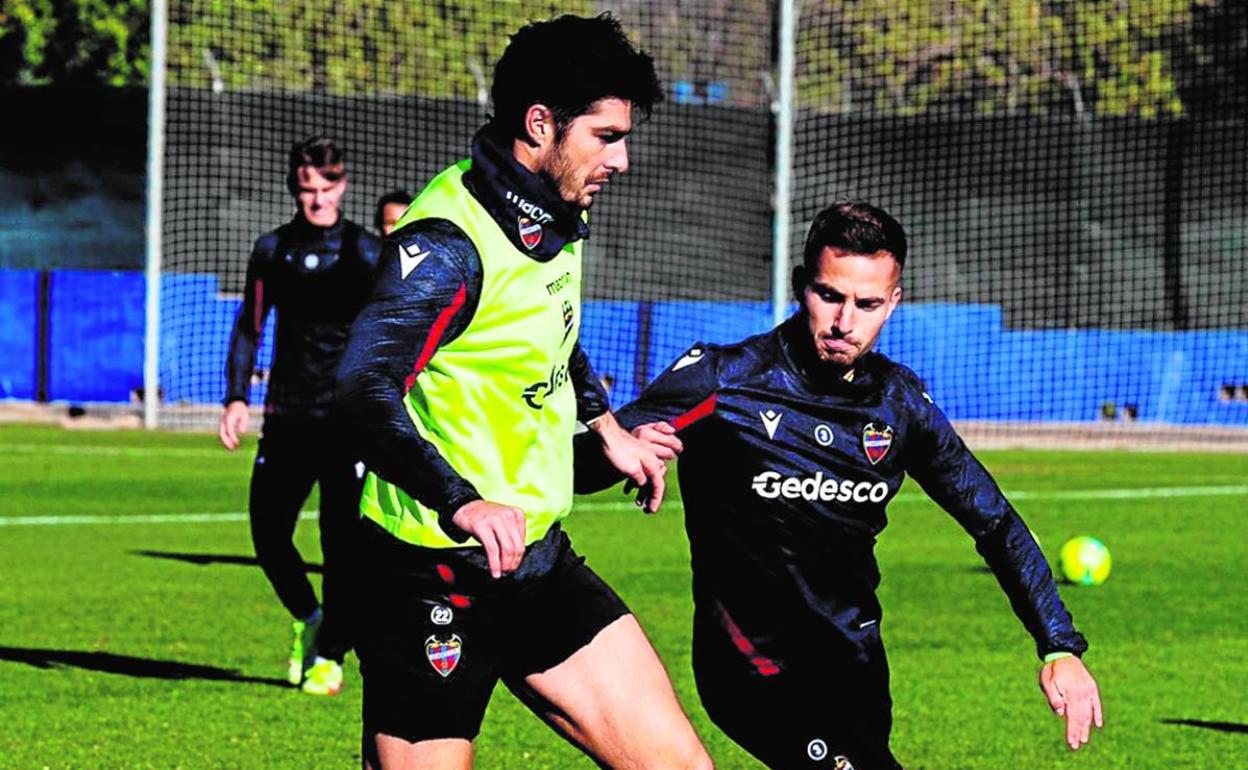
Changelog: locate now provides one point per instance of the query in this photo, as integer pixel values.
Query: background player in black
(389, 208)
(793, 443)
(317, 271)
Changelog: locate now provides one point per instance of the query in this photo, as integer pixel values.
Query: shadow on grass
(128, 665)
(1222, 727)
(213, 558)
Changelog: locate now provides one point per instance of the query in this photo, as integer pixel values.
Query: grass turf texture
(159, 645)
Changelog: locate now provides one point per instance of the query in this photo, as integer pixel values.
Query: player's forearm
(1012, 554)
(591, 397)
(240, 362)
(592, 471)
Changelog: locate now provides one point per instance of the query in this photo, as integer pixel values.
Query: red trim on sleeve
(765, 666)
(258, 320)
(435, 334)
(704, 409)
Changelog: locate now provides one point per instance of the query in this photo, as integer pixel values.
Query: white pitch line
(200, 518)
(115, 451)
(1129, 494)
(156, 518)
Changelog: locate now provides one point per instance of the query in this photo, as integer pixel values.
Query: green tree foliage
(710, 42)
(1148, 58)
(1104, 57)
(346, 47)
(74, 42)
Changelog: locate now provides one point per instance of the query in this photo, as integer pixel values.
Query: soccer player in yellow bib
(465, 380)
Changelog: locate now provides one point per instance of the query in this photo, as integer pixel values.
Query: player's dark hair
(394, 196)
(855, 227)
(568, 64)
(319, 152)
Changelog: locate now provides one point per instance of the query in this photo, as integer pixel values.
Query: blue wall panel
(95, 335)
(677, 325)
(194, 344)
(19, 307)
(609, 335)
(974, 366)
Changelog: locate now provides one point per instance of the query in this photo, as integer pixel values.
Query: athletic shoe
(323, 677)
(303, 647)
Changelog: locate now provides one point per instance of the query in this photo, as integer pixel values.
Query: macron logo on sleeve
(409, 260)
(689, 359)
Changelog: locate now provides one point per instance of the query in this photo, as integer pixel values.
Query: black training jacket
(317, 278)
(786, 478)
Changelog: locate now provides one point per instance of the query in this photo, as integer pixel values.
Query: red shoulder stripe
(258, 311)
(704, 409)
(435, 334)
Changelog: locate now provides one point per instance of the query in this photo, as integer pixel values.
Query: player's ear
(799, 281)
(894, 300)
(539, 125)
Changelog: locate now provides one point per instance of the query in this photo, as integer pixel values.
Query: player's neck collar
(532, 215)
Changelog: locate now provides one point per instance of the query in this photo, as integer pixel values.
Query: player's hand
(499, 528)
(1072, 694)
(661, 438)
(642, 467)
(234, 421)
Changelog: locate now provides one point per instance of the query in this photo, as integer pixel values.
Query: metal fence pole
(782, 199)
(155, 220)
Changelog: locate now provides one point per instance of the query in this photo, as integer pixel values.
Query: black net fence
(1073, 177)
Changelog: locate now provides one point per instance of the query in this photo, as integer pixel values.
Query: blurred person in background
(316, 272)
(389, 208)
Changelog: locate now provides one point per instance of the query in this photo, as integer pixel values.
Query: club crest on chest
(530, 232)
(876, 441)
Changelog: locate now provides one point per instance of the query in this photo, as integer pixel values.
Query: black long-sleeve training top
(786, 478)
(317, 278)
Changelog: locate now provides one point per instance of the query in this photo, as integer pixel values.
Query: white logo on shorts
(441, 616)
(310, 261)
(817, 749)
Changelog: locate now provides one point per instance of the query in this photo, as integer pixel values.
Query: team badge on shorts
(876, 441)
(841, 763)
(443, 655)
(530, 232)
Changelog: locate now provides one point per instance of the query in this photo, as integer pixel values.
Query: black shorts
(824, 706)
(437, 632)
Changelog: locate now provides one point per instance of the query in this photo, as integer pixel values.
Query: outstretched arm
(954, 478)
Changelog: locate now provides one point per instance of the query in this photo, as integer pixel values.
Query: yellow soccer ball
(1085, 561)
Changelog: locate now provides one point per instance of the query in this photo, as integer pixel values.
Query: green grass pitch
(159, 645)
